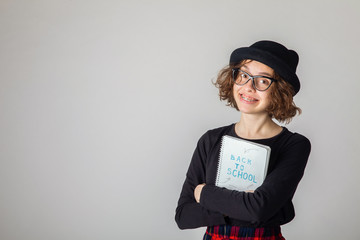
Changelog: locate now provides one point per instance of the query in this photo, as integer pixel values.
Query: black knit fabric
(271, 203)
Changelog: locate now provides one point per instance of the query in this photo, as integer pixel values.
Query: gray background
(102, 103)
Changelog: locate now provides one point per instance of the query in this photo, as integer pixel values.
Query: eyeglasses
(260, 83)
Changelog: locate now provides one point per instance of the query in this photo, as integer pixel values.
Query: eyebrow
(265, 74)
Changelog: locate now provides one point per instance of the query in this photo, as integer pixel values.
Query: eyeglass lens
(261, 83)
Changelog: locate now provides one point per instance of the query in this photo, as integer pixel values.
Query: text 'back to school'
(239, 167)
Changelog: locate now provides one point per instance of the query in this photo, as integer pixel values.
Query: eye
(264, 81)
(243, 75)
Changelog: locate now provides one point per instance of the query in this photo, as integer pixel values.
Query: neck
(256, 127)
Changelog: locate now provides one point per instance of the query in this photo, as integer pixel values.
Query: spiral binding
(220, 158)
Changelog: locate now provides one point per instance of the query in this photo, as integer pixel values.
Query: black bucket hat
(284, 61)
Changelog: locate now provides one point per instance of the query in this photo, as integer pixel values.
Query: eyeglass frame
(251, 78)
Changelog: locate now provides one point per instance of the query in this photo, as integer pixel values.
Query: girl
(260, 82)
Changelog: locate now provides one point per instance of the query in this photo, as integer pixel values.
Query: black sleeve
(277, 189)
(189, 213)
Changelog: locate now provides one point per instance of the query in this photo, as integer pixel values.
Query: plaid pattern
(227, 232)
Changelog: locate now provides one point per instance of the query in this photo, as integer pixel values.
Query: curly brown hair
(282, 106)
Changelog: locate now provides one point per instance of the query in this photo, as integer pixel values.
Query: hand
(197, 192)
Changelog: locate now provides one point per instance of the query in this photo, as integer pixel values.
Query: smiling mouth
(247, 98)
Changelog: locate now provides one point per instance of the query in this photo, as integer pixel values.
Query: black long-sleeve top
(270, 204)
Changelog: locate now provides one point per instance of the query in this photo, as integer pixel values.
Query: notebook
(242, 164)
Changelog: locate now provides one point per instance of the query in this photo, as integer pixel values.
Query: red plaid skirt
(227, 232)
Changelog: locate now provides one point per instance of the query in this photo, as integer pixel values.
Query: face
(248, 99)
